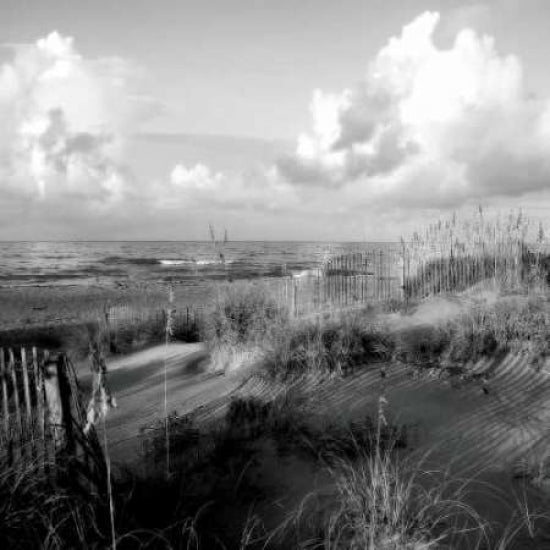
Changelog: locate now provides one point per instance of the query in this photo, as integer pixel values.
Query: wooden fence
(439, 272)
(371, 276)
(120, 316)
(40, 407)
(400, 273)
(125, 323)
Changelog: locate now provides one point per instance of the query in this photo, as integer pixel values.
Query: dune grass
(510, 322)
(239, 321)
(343, 342)
(333, 346)
(382, 501)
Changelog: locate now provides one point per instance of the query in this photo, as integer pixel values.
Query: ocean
(183, 263)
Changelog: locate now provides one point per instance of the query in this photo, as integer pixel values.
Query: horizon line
(191, 241)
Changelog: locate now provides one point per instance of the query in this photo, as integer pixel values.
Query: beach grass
(238, 322)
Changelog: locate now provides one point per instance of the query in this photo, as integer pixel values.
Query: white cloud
(197, 178)
(64, 122)
(428, 126)
(200, 188)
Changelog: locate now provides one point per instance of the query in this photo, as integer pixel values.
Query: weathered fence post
(106, 316)
(27, 393)
(5, 394)
(15, 386)
(295, 298)
(39, 386)
(53, 398)
(380, 274)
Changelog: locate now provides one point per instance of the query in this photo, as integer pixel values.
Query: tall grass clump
(454, 254)
(513, 323)
(333, 346)
(483, 328)
(240, 321)
(383, 505)
(380, 500)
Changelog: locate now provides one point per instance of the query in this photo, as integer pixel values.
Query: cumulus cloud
(65, 120)
(199, 177)
(428, 125)
(199, 187)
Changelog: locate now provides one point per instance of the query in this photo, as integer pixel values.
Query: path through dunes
(462, 426)
(137, 381)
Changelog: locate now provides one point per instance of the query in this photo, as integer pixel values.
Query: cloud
(65, 121)
(200, 188)
(197, 178)
(428, 126)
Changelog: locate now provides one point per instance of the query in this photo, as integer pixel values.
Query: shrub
(239, 322)
(326, 346)
(421, 345)
(512, 323)
(242, 314)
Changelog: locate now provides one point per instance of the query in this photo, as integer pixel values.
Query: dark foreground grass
(220, 493)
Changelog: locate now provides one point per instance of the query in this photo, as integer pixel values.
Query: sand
(459, 430)
(137, 382)
(55, 304)
(461, 426)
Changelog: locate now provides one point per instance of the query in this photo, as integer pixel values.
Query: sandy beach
(54, 304)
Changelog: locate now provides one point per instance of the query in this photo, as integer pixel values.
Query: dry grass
(250, 326)
(239, 322)
(380, 500)
(452, 255)
(333, 345)
(382, 505)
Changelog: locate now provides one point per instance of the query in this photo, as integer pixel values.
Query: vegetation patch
(240, 321)
(333, 346)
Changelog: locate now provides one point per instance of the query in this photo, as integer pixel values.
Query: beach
(63, 282)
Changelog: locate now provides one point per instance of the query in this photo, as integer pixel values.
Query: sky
(276, 119)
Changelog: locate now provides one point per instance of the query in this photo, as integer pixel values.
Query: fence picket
(26, 389)
(5, 403)
(39, 388)
(11, 368)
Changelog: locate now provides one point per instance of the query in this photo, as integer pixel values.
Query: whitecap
(174, 262)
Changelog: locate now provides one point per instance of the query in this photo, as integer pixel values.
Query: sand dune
(458, 426)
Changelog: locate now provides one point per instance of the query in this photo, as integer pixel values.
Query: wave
(305, 273)
(166, 262)
(208, 262)
(170, 262)
(175, 262)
